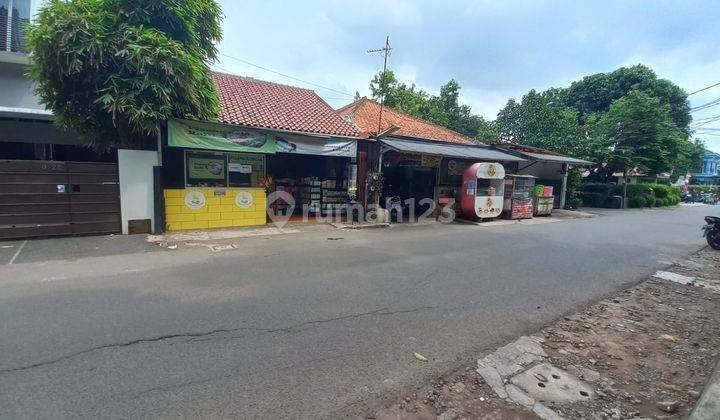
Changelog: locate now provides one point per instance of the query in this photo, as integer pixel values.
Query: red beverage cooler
(483, 190)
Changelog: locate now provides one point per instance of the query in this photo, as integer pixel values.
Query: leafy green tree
(112, 70)
(541, 120)
(444, 109)
(638, 131)
(382, 83)
(690, 158)
(486, 131)
(595, 93)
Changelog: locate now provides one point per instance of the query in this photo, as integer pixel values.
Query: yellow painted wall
(183, 209)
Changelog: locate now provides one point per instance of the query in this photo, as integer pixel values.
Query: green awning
(213, 136)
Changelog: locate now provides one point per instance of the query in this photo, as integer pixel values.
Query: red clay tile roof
(256, 103)
(365, 112)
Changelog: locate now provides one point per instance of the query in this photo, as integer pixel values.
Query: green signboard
(211, 136)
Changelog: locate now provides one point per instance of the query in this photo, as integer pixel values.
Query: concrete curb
(708, 406)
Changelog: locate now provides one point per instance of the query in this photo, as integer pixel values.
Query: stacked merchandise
(309, 194)
(334, 200)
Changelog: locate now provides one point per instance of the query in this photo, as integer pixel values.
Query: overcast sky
(495, 49)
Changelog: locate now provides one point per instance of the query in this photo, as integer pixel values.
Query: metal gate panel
(48, 198)
(94, 197)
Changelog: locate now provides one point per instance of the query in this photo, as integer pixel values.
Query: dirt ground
(646, 353)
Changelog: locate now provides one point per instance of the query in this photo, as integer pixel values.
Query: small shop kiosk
(519, 196)
(482, 191)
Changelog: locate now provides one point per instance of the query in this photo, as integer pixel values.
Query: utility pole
(386, 52)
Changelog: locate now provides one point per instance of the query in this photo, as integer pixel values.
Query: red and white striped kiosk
(483, 190)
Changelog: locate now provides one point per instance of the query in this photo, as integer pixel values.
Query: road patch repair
(647, 352)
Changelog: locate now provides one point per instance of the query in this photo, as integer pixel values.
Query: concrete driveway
(71, 248)
(299, 325)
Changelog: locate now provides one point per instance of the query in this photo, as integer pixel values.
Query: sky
(495, 49)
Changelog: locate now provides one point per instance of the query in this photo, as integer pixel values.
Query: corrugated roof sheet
(465, 151)
(556, 158)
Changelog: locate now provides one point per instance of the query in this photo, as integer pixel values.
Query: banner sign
(212, 136)
(316, 146)
(246, 164)
(432, 161)
(206, 168)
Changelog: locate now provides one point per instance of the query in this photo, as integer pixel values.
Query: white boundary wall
(136, 185)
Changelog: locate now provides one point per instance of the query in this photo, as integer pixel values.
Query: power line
(705, 88)
(224, 70)
(707, 118)
(704, 121)
(331, 98)
(699, 125)
(287, 75)
(706, 105)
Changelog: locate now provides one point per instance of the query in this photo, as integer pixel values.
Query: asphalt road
(299, 325)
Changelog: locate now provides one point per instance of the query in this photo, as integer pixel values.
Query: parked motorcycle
(711, 231)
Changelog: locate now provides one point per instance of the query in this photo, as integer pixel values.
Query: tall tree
(595, 93)
(541, 120)
(111, 70)
(444, 109)
(638, 131)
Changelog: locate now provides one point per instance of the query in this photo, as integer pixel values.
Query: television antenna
(386, 52)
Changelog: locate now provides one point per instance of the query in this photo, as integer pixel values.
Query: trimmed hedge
(637, 201)
(652, 195)
(592, 199)
(638, 195)
(596, 187)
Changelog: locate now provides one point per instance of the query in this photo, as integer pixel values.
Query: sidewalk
(646, 352)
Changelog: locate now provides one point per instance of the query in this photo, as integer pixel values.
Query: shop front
(319, 173)
(415, 169)
(550, 171)
(214, 175)
(219, 175)
(409, 181)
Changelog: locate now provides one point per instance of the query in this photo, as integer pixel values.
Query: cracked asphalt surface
(300, 326)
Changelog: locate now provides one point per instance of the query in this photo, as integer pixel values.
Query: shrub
(637, 202)
(576, 202)
(661, 191)
(649, 200)
(574, 184)
(665, 191)
(674, 200)
(595, 194)
(634, 190)
(662, 202)
(595, 187)
(592, 199)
